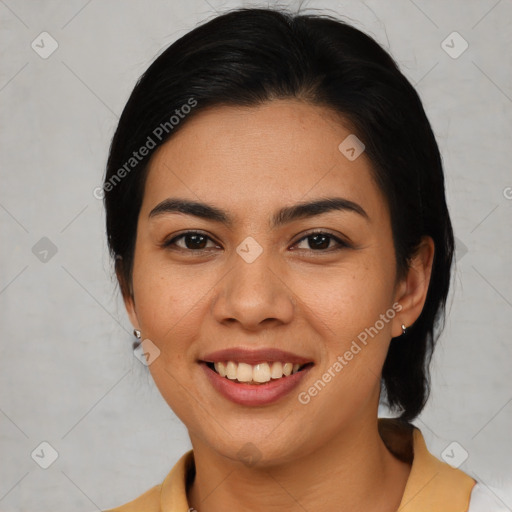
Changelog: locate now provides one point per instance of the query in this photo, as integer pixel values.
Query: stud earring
(136, 333)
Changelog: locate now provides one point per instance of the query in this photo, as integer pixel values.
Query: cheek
(347, 298)
(168, 305)
(351, 310)
(167, 301)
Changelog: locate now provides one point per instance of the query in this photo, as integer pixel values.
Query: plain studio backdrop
(69, 378)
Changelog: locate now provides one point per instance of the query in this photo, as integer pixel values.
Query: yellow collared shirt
(432, 486)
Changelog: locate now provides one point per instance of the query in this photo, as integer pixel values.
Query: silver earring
(404, 330)
(136, 333)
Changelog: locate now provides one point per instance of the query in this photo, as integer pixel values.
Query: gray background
(68, 375)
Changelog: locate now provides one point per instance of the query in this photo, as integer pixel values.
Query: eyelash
(341, 244)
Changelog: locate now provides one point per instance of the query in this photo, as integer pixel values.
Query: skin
(251, 162)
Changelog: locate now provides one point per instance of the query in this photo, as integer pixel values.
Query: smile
(254, 377)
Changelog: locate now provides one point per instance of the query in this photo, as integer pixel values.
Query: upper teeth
(261, 372)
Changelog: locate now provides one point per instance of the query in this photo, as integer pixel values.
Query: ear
(412, 290)
(127, 293)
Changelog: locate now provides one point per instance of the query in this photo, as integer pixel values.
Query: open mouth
(257, 374)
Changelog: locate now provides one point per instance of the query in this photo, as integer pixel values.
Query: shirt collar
(432, 484)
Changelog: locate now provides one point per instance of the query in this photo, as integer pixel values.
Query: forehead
(261, 157)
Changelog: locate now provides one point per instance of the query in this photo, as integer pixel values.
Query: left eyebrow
(317, 207)
(283, 216)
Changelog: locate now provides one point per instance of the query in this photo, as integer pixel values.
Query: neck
(352, 471)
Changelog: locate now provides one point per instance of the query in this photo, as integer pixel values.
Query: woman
(275, 205)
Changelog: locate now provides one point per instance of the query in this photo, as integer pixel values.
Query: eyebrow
(283, 216)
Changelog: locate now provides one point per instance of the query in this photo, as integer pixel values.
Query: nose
(254, 295)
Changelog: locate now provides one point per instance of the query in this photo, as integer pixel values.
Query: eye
(320, 241)
(191, 240)
(196, 241)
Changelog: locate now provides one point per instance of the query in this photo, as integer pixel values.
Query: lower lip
(254, 394)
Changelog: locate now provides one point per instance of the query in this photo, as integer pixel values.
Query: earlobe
(412, 292)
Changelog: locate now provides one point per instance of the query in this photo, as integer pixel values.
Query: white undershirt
(484, 500)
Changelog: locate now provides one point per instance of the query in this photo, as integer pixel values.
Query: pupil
(324, 244)
(196, 241)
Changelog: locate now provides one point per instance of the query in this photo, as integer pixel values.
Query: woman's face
(258, 280)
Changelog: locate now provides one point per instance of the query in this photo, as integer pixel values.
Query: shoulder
(147, 502)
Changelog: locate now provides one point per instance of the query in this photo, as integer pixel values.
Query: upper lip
(252, 356)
